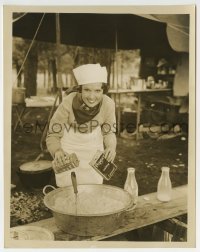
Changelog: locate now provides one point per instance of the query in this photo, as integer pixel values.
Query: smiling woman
(92, 94)
(87, 121)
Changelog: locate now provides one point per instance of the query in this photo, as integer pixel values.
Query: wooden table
(148, 211)
(138, 93)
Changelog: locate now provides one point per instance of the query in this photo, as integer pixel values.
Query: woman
(83, 124)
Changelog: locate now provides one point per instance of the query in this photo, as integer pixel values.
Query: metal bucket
(18, 95)
(103, 221)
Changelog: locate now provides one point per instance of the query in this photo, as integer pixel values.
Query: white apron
(85, 146)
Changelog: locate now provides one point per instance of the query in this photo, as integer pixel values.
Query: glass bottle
(131, 184)
(164, 188)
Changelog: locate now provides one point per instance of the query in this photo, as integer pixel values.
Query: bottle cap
(130, 169)
(165, 168)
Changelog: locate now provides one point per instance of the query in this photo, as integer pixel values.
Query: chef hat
(90, 73)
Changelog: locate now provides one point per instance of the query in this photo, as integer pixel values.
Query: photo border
(7, 16)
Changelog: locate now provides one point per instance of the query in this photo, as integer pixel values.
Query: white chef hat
(90, 73)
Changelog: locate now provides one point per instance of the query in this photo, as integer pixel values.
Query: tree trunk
(44, 74)
(54, 71)
(30, 72)
(109, 63)
(49, 77)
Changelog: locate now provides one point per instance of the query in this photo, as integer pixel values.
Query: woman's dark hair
(104, 87)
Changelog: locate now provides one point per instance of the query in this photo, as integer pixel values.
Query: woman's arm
(109, 131)
(56, 128)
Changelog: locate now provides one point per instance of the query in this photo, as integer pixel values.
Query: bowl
(31, 233)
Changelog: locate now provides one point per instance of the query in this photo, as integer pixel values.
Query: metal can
(71, 161)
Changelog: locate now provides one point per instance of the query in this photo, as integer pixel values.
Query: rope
(29, 48)
(177, 29)
(17, 18)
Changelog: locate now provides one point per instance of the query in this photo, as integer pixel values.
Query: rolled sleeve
(56, 128)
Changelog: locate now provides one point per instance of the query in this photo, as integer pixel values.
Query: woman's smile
(92, 94)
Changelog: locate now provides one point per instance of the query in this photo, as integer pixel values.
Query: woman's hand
(109, 154)
(60, 157)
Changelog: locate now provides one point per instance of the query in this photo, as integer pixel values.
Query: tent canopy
(99, 30)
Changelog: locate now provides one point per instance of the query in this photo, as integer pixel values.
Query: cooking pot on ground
(96, 210)
(35, 174)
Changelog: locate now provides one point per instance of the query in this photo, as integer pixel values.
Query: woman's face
(92, 94)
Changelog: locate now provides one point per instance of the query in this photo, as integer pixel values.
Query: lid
(36, 165)
(164, 168)
(31, 233)
(131, 169)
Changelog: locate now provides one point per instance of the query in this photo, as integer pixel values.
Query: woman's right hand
(60, 157)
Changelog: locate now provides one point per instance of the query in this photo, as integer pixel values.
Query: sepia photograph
(100, 126)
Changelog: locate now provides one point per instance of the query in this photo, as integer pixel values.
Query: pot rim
(89, 215)
(34, 172)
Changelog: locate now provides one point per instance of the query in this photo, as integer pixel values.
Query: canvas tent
(155, 35)
(158, 34)
(177, 29)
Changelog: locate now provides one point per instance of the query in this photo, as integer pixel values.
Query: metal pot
(104, 220)
(35, 174)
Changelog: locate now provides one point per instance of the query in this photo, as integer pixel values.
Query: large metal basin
(100, 208)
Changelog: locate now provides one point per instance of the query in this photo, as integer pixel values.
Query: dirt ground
(147, 156)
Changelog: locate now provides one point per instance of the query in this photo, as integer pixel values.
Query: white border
(94, 2)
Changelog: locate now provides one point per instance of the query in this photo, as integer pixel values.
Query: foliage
(70, 57)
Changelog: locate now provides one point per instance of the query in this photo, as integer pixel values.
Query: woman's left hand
(109, 154)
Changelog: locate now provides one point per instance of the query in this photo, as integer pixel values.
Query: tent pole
(117, 94)
(58, 58)
(116, 50)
